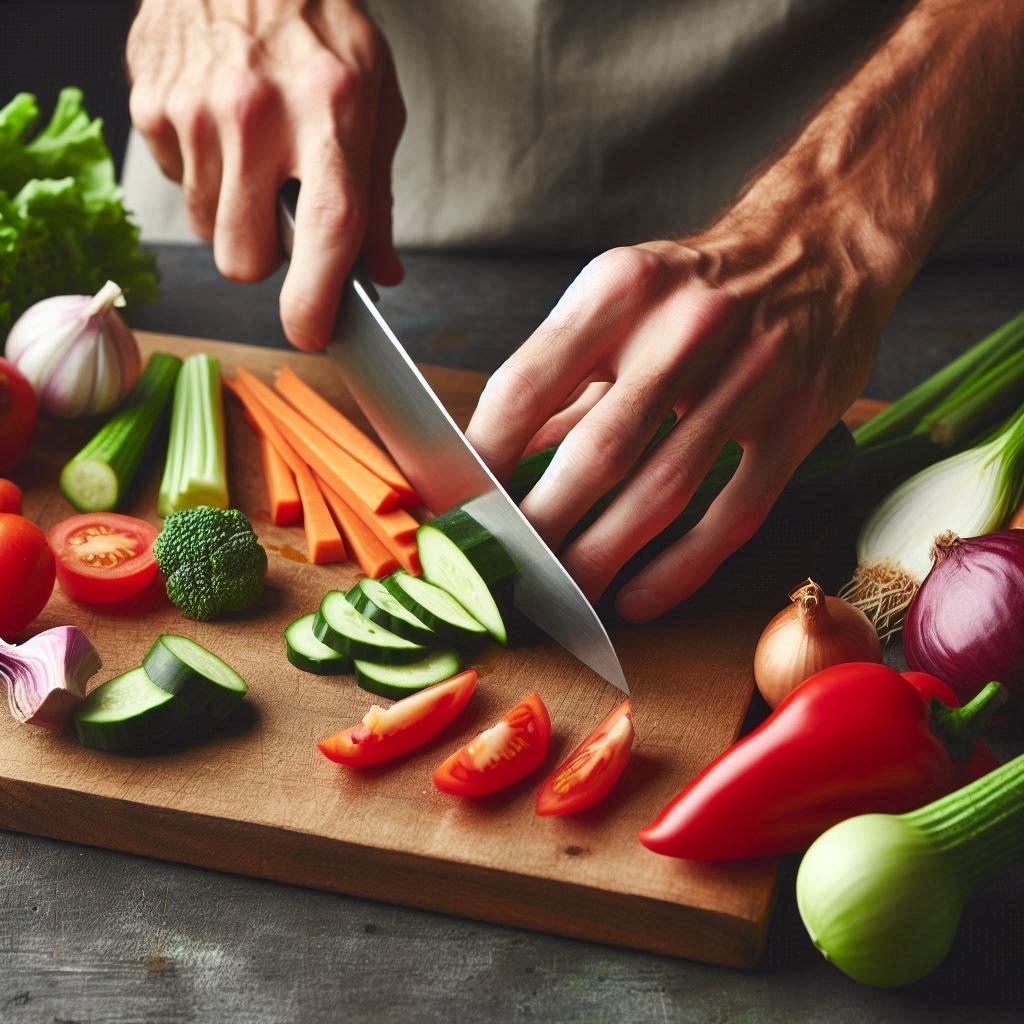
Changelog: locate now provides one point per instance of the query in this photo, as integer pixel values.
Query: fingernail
(637, 605)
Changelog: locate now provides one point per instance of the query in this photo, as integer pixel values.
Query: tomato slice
(103, 557)
(385, 733)
(501, 755)
(591, 770)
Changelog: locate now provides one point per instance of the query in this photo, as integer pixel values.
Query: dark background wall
(47, 44)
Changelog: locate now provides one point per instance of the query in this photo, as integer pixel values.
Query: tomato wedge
(385, 733)
(591, 770)
(501, 755)
(103, 557)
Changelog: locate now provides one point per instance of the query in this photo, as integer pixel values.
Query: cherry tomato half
(591, 770)
(501, 755)
(104, 557)
(18, 413)
(10, 497)
(385, 733)
(26, 573)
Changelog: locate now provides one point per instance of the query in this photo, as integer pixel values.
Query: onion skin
(966, 623)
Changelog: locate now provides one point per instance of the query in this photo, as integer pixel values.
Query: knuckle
(605, 448)
(750, 513)
(593, 563)
(146, 112)
(633, 270)
(513, 389)
(337, 215)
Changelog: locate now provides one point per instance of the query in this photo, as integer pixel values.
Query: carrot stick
(323, 541)
(283, 495)
(344, 433)
(373, 558)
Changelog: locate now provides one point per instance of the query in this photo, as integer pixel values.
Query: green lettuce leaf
(63, 226)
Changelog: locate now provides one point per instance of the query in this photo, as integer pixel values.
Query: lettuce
(63, 228)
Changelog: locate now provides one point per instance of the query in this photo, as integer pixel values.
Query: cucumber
(376, 602)
(398, 681)
(306, 652)
(129, 714)
(436, 607)
(203, 682)
(353, 635)
(460, 556)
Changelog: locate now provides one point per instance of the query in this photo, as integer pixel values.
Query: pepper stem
(109, 295)
(959, 728)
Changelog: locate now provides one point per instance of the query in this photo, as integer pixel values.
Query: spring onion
(196, 473)
(881, 895)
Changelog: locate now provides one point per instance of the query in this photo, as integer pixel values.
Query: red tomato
(501, 755)
(26, 573)
(592, 769)
(10, 497)
(18, 413)
(407, 724)
(104, 557)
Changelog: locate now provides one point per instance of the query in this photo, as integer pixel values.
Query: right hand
(235, 99)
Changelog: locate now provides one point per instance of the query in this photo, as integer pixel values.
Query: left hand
(760, 334)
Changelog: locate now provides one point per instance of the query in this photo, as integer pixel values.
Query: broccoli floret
(213, 561)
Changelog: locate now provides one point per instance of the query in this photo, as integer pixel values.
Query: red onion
(966, 623)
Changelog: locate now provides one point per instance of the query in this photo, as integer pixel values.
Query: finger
(653, 498)
(155, 126)
(565, 419)
(330, 221)
(732, 519)
(201, 161)
(597, 453)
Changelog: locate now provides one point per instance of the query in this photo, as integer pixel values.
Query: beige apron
(575, 124)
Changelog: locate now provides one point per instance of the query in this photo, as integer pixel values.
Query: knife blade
(446, 470)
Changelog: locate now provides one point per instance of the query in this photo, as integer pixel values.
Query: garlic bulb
(78, 354)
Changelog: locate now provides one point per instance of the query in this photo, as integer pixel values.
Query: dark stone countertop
(99, 937)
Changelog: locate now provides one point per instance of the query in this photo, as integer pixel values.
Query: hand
(234, 98)
(762, 330)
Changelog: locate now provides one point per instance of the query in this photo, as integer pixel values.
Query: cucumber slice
(309, 654)
(129, 714)
(376, 602)
(207, 685)
(460, 556)
(445, 616)
(398, 681)
(353, 635)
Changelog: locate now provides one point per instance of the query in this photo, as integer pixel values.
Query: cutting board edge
(572, 910)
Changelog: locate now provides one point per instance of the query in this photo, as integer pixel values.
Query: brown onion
(813, 633)
(966, 623)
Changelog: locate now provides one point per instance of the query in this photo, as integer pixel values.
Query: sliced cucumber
(460, 556)
(306, 652)
(129, 714)
(353, 635)
(205, 683)
(398, 681)
(376, 602)
(445, 616)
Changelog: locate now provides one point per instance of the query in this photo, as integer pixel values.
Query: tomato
(26, 573)
(104, 557)
(589, 773)
(501, 755)
(407, 724)
(18, 413)
(10, 497)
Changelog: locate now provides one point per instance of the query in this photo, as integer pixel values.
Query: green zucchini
(338, 625)
(376, 602)
(129, 714)
(306, 652)
(398, 681)
(460, 556)
(436, 607)
(206, 684)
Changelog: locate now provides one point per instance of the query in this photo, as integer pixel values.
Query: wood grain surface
(261, 800)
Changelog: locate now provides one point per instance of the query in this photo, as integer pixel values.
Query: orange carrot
(318, 450)
(373, 558)
(344, 433)
(283, 495)
(323, 541)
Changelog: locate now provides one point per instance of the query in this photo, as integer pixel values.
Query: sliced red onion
(966, 623)
(46, 675)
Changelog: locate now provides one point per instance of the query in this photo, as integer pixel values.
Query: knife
(445, 469)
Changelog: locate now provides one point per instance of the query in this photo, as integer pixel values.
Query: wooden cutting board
(261, 800)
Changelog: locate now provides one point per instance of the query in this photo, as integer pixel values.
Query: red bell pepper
(853, 739)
